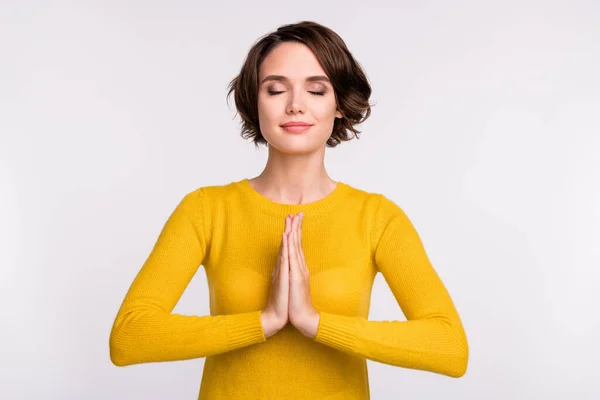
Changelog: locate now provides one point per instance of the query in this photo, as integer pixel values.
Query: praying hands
(289, 298)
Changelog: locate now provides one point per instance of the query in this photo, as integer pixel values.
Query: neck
(294, 178)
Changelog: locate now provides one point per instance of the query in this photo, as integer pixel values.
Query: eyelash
(273, 93)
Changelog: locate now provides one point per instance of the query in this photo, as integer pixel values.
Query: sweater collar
(255, 199)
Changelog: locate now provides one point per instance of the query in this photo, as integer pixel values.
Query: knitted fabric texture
(234, 233)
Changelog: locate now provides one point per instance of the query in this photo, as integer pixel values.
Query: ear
(338, 114)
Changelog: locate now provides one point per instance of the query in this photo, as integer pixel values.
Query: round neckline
(281, 209)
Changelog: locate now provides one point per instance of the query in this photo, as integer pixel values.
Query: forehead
(291, 59)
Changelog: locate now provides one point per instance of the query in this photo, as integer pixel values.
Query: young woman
(290, 255)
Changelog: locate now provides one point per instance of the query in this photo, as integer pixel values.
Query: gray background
(485, 130)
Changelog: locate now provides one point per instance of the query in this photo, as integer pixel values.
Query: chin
(296, 145)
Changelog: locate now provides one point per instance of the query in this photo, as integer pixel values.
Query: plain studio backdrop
(485, 130)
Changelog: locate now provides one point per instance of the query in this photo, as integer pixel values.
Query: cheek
(264, 112)
(325, 110)
(269, 115)
(268, 108)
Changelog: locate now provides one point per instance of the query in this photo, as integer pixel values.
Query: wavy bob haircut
(351, 87)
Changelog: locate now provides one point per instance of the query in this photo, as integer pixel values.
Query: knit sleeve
(146, 330)
(432, 338)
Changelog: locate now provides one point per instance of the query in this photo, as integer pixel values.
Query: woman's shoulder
(213, 193)
(373, 197)
(208, 189)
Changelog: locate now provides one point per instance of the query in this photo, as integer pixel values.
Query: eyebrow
(280, 78)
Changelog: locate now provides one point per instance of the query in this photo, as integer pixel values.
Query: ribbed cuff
(244, 329)
(337, 331)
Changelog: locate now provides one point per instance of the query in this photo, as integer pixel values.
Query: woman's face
(294, 87)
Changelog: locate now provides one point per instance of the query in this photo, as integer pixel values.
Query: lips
(288, 124)
(296, 127)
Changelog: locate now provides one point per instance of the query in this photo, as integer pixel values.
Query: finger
(289, 244)
(291, 252)
(275, 274)
(285, 265)
(300, 251)
(296, 255)
(300, 228)
(286, 250)
(296, 224)
(284, 271)
(281, 259)
(281, 243)
(288, 229)
(294, 268)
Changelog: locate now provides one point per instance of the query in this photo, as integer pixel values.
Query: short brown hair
(351, 87)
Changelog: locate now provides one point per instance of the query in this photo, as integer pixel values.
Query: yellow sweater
(235, 232)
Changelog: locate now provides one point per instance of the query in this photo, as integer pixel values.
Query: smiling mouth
(296, 128)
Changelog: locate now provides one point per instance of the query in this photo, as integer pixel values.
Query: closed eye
(273, 93)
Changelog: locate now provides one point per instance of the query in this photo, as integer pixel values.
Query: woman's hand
(301, 312)
(275, 315)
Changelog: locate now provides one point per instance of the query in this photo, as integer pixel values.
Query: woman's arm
(145, 330)
(433, 338)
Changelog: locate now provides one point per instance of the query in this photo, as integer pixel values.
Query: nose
(296, 104)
